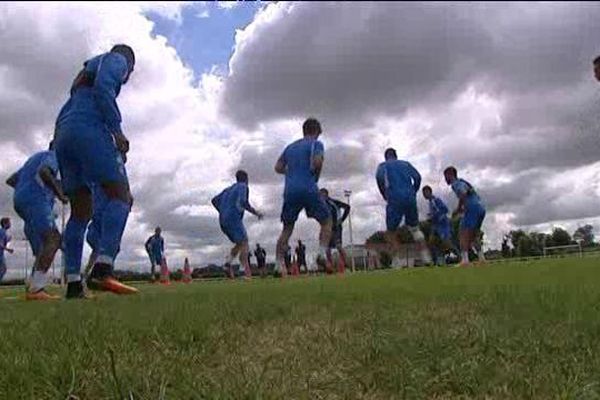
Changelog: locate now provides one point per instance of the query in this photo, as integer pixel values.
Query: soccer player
(4, 240)
(473, 213)
(91, 150)
(301, 163)
(261, 260)
(301, 255)
(597, 68)
(440, 224)
(155, 247)
(398, 182)
(231, 204)
(335, 206)
(36, 186)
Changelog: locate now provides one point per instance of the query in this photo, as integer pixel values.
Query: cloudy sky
(503, 91)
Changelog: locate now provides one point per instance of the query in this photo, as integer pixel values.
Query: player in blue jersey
(440, 224)
(155, 247)
(231, 204)
(398, 182)
(339, 212)
(301, 163)
(4, 240)
(35, 187)
(473, 213)
(91, 150)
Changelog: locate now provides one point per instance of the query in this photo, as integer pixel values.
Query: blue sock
(114, 220)
(73, 244)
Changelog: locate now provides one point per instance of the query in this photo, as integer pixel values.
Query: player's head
(241, 176)
(324, 192)
(450, 175)
(5, 223)
(597, 68)
(390, 154)
(158, 231)
(299, 242)
(311, 127)
(129, 55)
(257, 245)
(427, 192)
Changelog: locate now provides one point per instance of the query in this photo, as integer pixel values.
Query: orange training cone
(164, 273)
(187, 271)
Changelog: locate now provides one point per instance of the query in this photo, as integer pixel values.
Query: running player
(301, 255)
(155, 247)
(398, 183)
(91, 150)
(36, 187)
(231, 204)
(4, 240)
(335, 206)
(301, 163)
(261, 260)
(473, 213)
(440, 224)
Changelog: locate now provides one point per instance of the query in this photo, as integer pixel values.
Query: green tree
(560, 237)
(585, 234)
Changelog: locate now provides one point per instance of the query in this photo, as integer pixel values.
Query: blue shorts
(312, 202)
(473, 218)
(39, 220)
(396, 211)
(87, 154)
(443, 231)
(157, 258)
(234, 230)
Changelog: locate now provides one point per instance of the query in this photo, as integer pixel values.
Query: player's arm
(281, 165)
(317, 159)
(345, 210)
(48, 177)
(13, 179)
(109, 77)
(462, 194)
(381, 181)
(247, 206)
(147, 244)
(416, 177)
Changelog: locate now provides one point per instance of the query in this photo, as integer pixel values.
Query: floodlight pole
(347, 194)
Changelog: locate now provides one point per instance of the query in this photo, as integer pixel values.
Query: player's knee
(416, 233)
(81, 205)
(52, 239)
(118, 191)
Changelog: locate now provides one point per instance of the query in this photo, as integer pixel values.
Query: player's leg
(477, 236)
(243, 250)
(393, 217)
(44, 239)
(292, 205)
(3, 268)
(412, 222)
(317, 209)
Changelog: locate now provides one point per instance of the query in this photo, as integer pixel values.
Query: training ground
(505, 331)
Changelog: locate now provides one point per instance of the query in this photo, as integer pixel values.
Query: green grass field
(518, 331)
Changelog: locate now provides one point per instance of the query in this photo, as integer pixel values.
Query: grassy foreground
(498, 332)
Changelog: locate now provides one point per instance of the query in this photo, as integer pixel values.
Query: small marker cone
(187, 271)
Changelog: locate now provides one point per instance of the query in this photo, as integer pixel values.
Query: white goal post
(569, 246)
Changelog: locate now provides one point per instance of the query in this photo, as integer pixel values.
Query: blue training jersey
(461, 187)
(399, 180)
(232, 202)
(298, 156)
(30, 188)
(156, 245)
(95, 102)
(438, 211)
